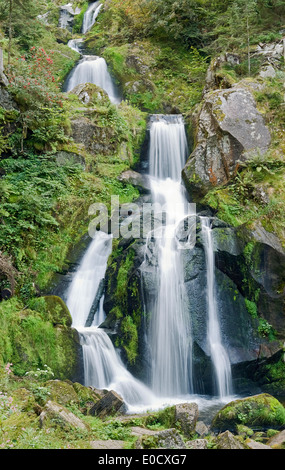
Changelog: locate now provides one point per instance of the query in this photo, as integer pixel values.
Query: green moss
(29, 340)
(129, 338)
(258, 412)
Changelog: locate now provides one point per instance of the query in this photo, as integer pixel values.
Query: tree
(243, 16)
(18, 21)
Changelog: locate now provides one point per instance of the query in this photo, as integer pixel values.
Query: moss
(129, 338)
(29, 340)
(258, 412)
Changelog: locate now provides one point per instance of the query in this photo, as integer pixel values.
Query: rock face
(229, 128)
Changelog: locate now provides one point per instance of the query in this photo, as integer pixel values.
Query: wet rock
(201, 429)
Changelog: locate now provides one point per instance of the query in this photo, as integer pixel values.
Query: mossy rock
(259, 412)
(58, 311)
(62, 392)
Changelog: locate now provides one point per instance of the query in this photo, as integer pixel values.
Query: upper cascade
(90, 16)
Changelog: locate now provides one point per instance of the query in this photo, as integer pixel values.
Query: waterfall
(90, 16)
(169, 330)
(219, 355)
(93, 69)
(103, 367)
(75, 44)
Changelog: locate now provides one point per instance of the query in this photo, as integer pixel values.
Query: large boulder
(261, 411)
(228, 129)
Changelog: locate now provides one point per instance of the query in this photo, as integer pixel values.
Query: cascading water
(75, 44)
(90, 16)
(103, 367)
(93, 69)
(219, 355)
(169, 330)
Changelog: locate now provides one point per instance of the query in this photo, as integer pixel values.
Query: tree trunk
(248, 47)
(10, 30)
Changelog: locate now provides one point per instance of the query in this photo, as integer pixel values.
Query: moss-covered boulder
(57, 310)
(261, 411)
(62, 392)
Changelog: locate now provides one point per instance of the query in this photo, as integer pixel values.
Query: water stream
(170, 329)
(90, 16)
(219, 354)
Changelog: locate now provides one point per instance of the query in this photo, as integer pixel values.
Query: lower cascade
(103, 367)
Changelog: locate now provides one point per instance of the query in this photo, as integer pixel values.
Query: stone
(260, 411)
(166, 439)
(229, 129)
(62, 392)
(54, 414)
(57, 310)
(277, 441)
(107, 444)
(136, 179)
(267, 72)
(69, 158)
(201, 429)
(109, 405)
(197, 444)
(256, 445)
(227, 440)
(186, 414)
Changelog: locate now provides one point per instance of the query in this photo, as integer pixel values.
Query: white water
(219, 355)
(103, 367)
(85, 283)
(75, 44)
(169, 330)
(93, 69)
(90, 16)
